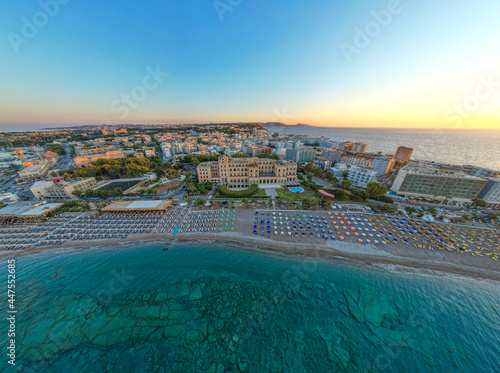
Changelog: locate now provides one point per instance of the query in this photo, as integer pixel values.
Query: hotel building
(415, 179)
(383, 165)
(243, 172)
(61, 190)
(403, 154)
(360, 177)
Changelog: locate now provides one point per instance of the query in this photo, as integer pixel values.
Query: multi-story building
(61, 190)
(356, 161)
(359, 147)
(332, 155)
(491, 191)
(35, 172)
(243, 172)
(382, 165)
(403, 154)
(300, 155)
(254, 151)
(86, 160)
(360, 177)
(324, 164)
(415, 179)
(86, 150)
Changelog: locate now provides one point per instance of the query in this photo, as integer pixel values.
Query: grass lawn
(285, 193)
(260, 194)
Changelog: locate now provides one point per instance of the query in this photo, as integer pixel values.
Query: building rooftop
(42, 183)
(35, 167)
(24, 210)
(441, 173)
(138, 205)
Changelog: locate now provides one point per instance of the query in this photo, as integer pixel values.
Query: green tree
(310, 167)
(410, 210)
(345, 174)
(118, 191)
(77, 193)
(375, 190)
(192, 189)
(345, 183)
(360, 195)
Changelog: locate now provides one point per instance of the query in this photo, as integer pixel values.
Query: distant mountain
(279, 125)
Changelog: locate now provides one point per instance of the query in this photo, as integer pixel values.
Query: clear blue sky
(265, 60)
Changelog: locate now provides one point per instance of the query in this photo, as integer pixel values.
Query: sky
(406, 64)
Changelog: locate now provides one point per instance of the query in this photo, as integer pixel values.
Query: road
(65, 162)
(323, 183)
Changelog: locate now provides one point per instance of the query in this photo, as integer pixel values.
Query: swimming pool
(296, 189)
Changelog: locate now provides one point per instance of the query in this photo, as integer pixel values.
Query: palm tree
(192, 189)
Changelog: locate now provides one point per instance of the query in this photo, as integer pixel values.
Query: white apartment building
(356, 161)
(382, 165)
(360, 177)
(491, 191)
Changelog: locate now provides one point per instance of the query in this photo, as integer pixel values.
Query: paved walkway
(270, 192)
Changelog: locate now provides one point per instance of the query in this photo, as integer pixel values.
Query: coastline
(350, 252)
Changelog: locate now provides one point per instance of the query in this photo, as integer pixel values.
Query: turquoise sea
(203, 307)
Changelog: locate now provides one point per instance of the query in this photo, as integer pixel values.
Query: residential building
(300, 155)
(339, 169)
(415, 179)
(254, 151)
(35, 172)
(332, 155)
(382, 165)
(360, 177)
(491, 191)
(306, 155)
(359, 147)
(81, 150)
(356, 161)
(243, 172)
(86, 160)
(322, 163)
(403, 154)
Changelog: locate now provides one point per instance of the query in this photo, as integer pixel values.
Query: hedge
(238, 193)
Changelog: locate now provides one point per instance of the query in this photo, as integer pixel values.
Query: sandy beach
(333, 250)
(243, 237)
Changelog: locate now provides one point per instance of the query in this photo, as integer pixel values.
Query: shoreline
(350, 252)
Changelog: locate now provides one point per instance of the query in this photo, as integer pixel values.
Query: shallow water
(204, 307)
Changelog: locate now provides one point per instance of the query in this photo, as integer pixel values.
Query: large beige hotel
(243, 172)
